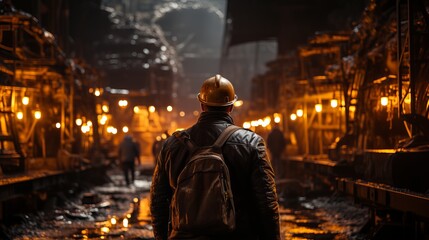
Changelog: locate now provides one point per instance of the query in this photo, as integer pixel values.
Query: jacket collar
(215, 117)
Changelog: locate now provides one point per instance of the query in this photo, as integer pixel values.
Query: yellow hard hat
(217, 91)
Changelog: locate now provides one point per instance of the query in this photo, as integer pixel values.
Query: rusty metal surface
(382, 195)
(12, 186)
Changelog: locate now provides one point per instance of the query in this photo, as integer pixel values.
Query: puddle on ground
(123, 213)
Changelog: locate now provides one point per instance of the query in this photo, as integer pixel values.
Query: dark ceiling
(290, 22)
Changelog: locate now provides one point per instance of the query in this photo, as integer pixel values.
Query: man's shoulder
(175, 138)
(245, 136)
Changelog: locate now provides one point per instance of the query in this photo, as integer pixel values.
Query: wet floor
(114, 211)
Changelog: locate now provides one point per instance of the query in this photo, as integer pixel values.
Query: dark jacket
(252, 180)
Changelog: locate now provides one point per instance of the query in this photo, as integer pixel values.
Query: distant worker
(156, 148)
(157, 144)
(276, 143)
(180, 207)
(129, 153)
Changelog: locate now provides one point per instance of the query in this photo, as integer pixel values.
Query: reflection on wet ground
(330, 217)
(114, 211)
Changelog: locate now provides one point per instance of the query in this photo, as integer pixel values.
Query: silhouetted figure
(156, 148)
(129, 153)
(157, 145)
(276, 143)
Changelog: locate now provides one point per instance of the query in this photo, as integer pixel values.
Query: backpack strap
(225, 135)
(184, 138)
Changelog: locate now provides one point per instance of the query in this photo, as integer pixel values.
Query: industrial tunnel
(345, 82)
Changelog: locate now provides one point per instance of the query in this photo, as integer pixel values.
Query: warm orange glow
(78, 121)
(299, 112)
(136, 109)
(25, 100)
(169, 108)
(238, 103)
(152, 109)
(334, 103)
(37, 114)
(277, 117)
(182, 113)
(246, 125)
(384, 101)
(125, 129)
(267, 121)
(20, 115)
(123, 103)
(105, 108)
(164, 136)
(125, 222)
(254, 123)
(105, 230)
(318, 107)
(103, 119)
(85, 128)
(112, 130)
(293, 117)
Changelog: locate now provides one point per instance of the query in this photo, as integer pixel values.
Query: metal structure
(39, 87)
(139, 72)
(374, 137)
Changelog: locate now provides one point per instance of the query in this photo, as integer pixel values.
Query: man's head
(217, 94)
(128, 137)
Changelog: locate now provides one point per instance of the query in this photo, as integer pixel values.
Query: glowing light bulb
(125, 222)
(103, 119)
(25, 100)
(123, 103)
(318, 107)
(125, 129)
(78, 121)
(334, 103)
(152, 109)
(277, 117)
(384, 101)
(37, 114)
(299, 112)
(20, 115)
(293, 117)
(105, 108)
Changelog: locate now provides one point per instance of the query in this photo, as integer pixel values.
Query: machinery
(140, 73)
(354, 105)
(42, 90)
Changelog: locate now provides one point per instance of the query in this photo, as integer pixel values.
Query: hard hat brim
(214, 104)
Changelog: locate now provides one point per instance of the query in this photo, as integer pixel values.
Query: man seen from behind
(251, 174)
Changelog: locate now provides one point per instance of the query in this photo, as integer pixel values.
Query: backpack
(202, 201)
